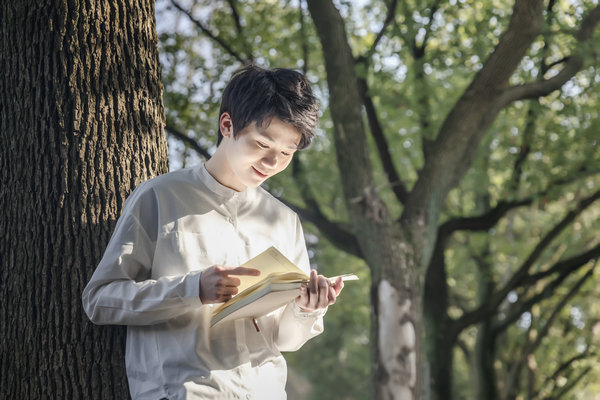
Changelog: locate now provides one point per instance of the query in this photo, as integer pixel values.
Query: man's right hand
(219, 283)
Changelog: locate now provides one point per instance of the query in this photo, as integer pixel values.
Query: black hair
(255, 94)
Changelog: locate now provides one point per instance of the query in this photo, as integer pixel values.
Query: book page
(270, 261)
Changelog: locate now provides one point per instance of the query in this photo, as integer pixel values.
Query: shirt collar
(220, 190)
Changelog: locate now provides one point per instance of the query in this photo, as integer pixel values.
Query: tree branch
(569, 264)
(338, 236)
(487, 220)
(303, 39)
(568, 363)
(352, 152)
(545, 293)
(525, 305)
(421, 84)
(570, 385)
(389, 18)
(341, 238)
(235, 16)
(557, 62)
(238, 26)
(457, 142)
(187, 140)
(419, 51)
(572, 65)
(464, 347)
(521, 274)
(304, 187)
(382, 146)
(374, 124)
(525, 148)
(484, 221)
(211, 35)
(550, 15)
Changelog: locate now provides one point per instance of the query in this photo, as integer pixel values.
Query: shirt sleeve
(121, 290)
(296, 327)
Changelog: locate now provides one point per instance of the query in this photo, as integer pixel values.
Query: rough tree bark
(81, 123)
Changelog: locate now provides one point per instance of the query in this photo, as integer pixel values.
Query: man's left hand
(319, 293)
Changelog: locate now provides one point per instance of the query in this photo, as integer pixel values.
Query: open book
(277, 285)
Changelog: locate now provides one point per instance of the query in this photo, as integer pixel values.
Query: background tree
(81, 124)
(458, 159)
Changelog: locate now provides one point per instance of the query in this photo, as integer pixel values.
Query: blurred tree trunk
(485, 345)
(393, 258)
(81, 124)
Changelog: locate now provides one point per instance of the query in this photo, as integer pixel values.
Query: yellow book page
(269, 262)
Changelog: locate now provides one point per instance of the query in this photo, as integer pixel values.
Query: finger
(313, 286)
(338, 285)
(243, 271)
(223, 298)
(227, 291)
(323, 298)
(304, 293)
(319, 298)
(314, 282)
(228, 281)
(323, 291)
(332, 295)
(313, 301)
(302, 299)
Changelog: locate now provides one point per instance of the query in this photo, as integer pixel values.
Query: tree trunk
(396, 321)
(81, 123)
(440, 336)
(485, 353)
(392, 258)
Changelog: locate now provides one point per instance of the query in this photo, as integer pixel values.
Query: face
(256, 154)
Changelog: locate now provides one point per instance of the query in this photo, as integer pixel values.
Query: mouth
(259, 173)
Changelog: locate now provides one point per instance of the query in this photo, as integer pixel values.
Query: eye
(262, 145)
(286, 154)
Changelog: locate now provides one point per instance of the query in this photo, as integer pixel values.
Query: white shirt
(172, 227)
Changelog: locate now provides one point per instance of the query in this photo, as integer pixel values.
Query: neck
(217, 167)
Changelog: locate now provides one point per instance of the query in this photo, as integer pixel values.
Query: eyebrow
(266, 135)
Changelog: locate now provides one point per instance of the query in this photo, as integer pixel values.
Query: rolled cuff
(192, 289)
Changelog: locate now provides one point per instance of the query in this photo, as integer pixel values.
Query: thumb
(338, 285)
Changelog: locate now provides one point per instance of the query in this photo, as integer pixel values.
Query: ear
(226, 125)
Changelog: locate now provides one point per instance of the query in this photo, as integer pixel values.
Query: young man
(177, 248)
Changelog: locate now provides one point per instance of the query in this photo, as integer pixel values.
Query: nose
(270, 159)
